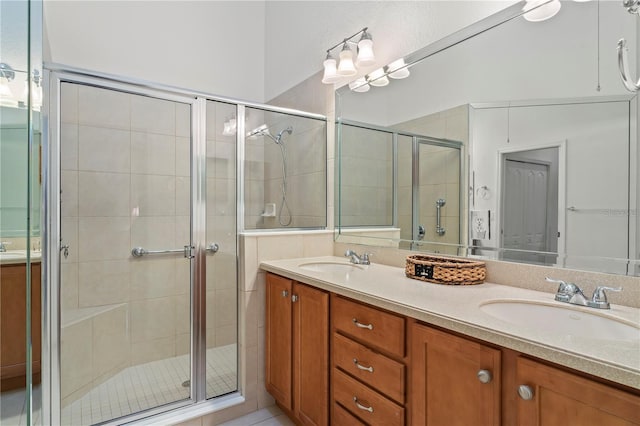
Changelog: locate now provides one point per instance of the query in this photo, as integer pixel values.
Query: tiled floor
(134, 389)
(270, 416)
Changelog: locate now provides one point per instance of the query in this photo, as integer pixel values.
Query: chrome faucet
(571, 293)
(3, 247)
(358, 260)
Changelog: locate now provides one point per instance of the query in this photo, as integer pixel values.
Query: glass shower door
(125, 285)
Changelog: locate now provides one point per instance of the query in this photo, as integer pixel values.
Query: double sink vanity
(364, 344)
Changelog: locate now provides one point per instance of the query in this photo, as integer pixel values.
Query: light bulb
(330, 71)
(541, 13)
(398, 69)
(378, 78)
(346, 68)
(360, 85)
(365, 50)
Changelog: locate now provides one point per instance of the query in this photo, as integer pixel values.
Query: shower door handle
(141, 251)
(213, 248)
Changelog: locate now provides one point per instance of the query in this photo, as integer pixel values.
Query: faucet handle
(599, 298)
(563, 284)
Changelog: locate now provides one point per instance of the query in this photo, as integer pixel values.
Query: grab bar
(186, 250)
(439, 228)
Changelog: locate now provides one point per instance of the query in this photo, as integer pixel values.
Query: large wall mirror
(511, 140)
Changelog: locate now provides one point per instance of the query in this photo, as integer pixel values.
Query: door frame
(51, 318)
(562, 188)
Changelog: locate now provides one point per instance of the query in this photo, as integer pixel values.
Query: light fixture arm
(347, 40)
(7, 72)
(623, 66)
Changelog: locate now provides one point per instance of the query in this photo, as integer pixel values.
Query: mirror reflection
(519, 144)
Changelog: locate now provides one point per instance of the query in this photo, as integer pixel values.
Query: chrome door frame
(51, 391)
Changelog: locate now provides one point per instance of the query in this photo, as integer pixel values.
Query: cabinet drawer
(342, 417)
(370, 325)
(365, 403)
(382, 373)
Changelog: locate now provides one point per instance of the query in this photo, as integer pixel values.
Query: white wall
(212, 46)
(298, 33)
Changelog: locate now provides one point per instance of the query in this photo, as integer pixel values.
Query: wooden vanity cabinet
(368, 364)
(297, 349)
(388, 369)
(13, 317)
(550, 396)
(454, 381)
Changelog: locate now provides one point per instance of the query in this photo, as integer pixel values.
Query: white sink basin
(566, 321)
(12, 255)
(340, 267)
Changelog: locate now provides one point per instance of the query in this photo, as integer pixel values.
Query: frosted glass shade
(330, 72)
(542, 13)
(398, 69)
(378, 78)
(346, 68)
(360, 85)
(365, 52)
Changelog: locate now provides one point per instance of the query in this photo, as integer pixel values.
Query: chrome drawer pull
(362, 367)
(362, 407)
(360, 325)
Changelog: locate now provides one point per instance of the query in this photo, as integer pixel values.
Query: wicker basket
(443, 270)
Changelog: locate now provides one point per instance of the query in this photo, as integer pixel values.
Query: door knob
(485, 376)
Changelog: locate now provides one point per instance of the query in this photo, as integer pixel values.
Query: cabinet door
(278, 343)
(311, 355)
(561, 398)
(445, 386)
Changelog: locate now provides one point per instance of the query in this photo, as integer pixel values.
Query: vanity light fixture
(32, 85)
(544, 9)
(230, 127)
(346, 67)
(359, 85)
(398, 69)
(378, 78)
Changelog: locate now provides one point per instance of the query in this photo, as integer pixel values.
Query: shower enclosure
(143, 211)
(400, 186)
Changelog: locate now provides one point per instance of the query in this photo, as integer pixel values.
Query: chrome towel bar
(186, 251)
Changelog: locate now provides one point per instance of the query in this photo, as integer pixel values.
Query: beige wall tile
(250, 314)
(69, 103)
(68, 286)
(153, 350)
(68, 146)
(183, 120)
(103, 282)
(69, 193)
(76, 369)
(249, 262)
(103, 194)
(104, 238)
(104, 149)
(103, 108)
(153, 153)
(152, 278)
(226, 307)
(183, 344)
(110, 341)
(182, 310)
(153, 319)
(153, 115)
(153, 195)
(183, 156)
(318, 244)
(279, 247)
(154, 233)
(226, 335)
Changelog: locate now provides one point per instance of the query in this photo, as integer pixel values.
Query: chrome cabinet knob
(285, 293)
(484, 376)
(525, 392)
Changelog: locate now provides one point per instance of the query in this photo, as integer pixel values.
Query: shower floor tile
(150, 385)
(133, 389)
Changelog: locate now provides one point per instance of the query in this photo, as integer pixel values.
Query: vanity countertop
(457, 308)
(16, 257)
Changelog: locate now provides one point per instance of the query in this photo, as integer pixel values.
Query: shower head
(264, 131)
